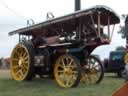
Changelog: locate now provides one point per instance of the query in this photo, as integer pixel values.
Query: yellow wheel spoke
(16, 66)
(93, 78)
(18, 52)
(21, 52)
(84, 78)
(63, 63)
(90, 79)
(71, 61)
(21, 73)
(24, 70)
(67, 60)
(74, 72)
(25, 62)
(72, 66)
(26, 58)
(24, 55)
(61, 66)
(74, 77)
(62, 77)
(60, 71)
(87, 78)
(96, 77)
(15, 59)
(17, 72)
(68, 82)
(24, 67)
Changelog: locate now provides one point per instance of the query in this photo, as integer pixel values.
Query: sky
(15, 13)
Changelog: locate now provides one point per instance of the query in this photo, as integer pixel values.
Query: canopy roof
(69, 21)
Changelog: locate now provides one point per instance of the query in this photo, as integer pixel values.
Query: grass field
(48, 87)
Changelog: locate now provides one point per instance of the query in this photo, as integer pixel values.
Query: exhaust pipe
(77, 5)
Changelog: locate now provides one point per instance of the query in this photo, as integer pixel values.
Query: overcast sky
(14, 13)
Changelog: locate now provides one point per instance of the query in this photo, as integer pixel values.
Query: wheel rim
(66, 71)
(126, 58)
(91, 71)
(19, 62)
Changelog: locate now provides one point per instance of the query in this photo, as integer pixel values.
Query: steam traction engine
(61, 47)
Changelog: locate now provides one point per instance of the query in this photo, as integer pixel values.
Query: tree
(124, 29)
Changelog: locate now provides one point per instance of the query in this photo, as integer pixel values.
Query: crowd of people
(4, 63)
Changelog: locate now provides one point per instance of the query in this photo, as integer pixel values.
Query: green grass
(48, 87)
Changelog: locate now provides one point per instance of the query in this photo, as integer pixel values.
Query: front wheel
(22, 62)
(67, 71)
(92, 70)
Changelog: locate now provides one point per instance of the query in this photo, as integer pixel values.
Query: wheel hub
(20, 61)
(67, 71)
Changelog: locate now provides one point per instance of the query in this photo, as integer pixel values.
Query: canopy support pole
(112, 32)
(109, 27)
(99, 34)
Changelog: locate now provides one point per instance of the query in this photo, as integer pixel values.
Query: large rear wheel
(22, 62)
(67, 71)
(92, 70)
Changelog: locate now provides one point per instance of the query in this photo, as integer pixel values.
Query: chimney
(77, 5)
